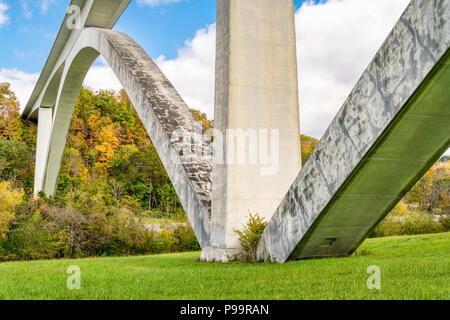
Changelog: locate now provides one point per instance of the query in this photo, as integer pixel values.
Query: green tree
(15, 161)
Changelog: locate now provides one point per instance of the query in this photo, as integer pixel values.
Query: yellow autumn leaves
(109, 144)
(9, 200)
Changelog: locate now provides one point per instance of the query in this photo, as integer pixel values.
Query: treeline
(424, 209)
(112, 185)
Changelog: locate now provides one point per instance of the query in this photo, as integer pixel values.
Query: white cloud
(27, 13)
(101, 77)
(335, 42)
(192, 72)
(28, 6)
(3, 17)
(45, 5)
(154, 3)
(22, 84)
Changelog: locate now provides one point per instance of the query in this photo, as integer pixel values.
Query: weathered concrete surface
(391, 129)
(160, 108)
(256, 88)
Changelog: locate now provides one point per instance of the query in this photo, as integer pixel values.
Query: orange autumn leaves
(109, 143)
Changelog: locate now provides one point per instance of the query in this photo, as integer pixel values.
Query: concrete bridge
(391, 129)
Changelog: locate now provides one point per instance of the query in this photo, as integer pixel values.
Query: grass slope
(415, 267)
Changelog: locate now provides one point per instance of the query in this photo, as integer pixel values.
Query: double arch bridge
(391, 129)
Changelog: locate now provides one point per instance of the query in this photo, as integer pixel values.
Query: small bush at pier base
(250, 235)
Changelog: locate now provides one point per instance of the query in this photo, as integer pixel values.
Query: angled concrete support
(390, 131)
(42, 146)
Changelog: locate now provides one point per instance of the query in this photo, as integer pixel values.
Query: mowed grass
(416, 267)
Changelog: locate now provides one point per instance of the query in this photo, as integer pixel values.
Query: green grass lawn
(416, 267)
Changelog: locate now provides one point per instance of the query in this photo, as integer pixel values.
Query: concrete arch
(72, 80)
(51, 92)
(160, 107)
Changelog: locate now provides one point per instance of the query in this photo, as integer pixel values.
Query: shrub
(128, 234)
(68, 227)
(445, 221)
(165, 242)
(187, 241)
(31, 242)
(250, 235)
(50, 232)
(408, 224)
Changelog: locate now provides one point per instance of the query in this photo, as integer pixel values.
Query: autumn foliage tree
(308, 146)
(431, 192)
(10, 123)
(108, 144)
(9, 200)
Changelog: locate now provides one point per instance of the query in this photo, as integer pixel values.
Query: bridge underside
(391, 129)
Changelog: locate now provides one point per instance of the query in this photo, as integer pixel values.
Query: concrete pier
(257, 99)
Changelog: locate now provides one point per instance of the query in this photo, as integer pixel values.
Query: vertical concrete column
(256, 92)
(43, 141)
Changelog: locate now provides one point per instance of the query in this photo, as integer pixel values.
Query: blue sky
(160, 29)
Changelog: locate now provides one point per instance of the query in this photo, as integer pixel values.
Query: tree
(203, 119)
(441, 186)
(308, 146)
(109, 142)
(10, 123)
(167, 195)
(9, 201)
(431, 192)
(15, 160)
